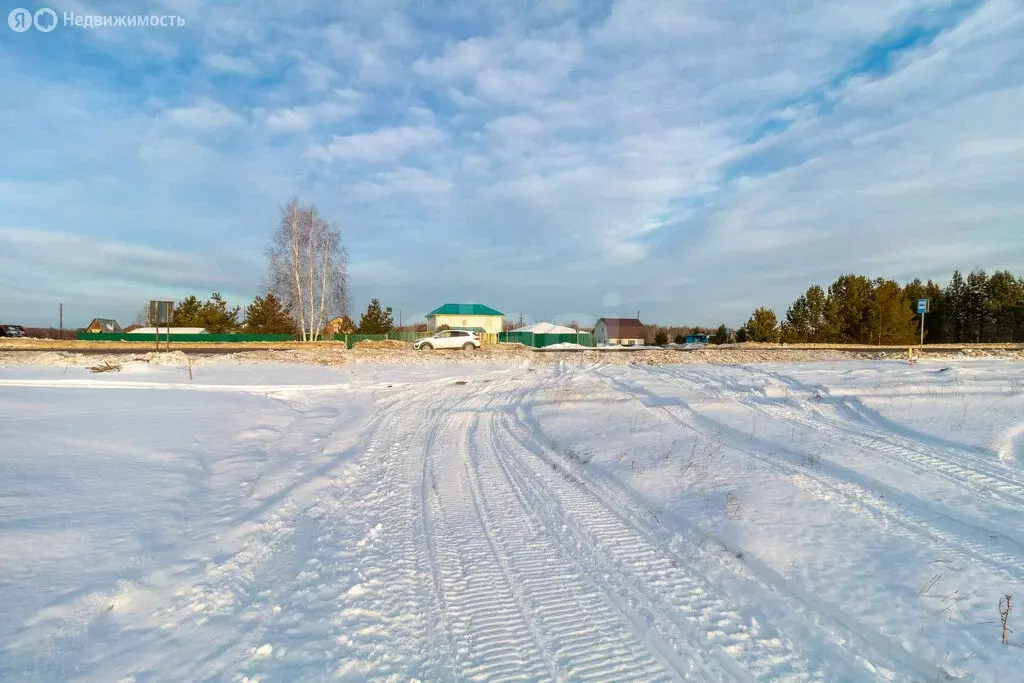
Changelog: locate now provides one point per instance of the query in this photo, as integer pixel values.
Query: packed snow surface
(853, 521)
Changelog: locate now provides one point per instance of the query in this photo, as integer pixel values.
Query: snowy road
(815, 522)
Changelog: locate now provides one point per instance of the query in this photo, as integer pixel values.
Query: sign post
(161, 312)
(922, 308)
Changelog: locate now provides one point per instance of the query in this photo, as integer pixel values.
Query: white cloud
(207, 115)
(403, 182)
(461, 60)
(302, 118)
(228, 64)
(379, 146)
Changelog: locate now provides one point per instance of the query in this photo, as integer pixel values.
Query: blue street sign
(922, 305)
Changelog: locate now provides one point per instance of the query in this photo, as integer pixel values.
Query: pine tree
(848, 313)
(1005, 296)
(661, 338)
(798, 322)
(188, 313)
(976, 307)
(213, 315)
(955, 296)
(763, 326)
(267, 316)
(216, 317)
(893, 321)
(817, 304)
(376, 320)
(721, 335)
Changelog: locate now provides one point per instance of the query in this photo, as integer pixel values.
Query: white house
(619, 331)
(476, 317)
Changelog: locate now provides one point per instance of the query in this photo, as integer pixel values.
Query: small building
(468, 317)
(696, 339)
(104, 326)
(340, 325)
(152, 331)
(544, 334)
(619, 332)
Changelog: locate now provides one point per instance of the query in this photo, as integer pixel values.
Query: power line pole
(60, 319)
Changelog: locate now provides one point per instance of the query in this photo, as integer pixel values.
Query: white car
(449, 339)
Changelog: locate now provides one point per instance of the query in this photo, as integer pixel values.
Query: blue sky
(564, 159)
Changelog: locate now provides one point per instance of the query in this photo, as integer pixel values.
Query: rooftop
(464, 309)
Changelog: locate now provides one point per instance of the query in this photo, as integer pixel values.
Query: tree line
(855, 309)
(268, 315)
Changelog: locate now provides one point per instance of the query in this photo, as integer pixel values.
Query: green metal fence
(147, 338)
(539, 341)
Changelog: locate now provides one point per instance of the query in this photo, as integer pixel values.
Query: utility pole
(60, 319)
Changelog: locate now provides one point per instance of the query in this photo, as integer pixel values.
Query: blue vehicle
(696, 339)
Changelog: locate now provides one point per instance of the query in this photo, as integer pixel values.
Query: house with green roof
(476, 317)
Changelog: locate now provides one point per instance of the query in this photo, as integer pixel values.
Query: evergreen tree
(955, 300)
(213, 315)
(797, 327)
(267, 316)
(806, 318)
(216, 317)
(817, 304)
(849, 311)
(892, 321)
(763, 326)
(721, 335)
(188, 313)
(661, 338)
(376, 320)
(741, 335)
(976, 307)
(680, 339)
(1005, 297)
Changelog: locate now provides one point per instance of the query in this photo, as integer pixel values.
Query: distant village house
(103, 326)
(478, 318)
(339, 325)
(619, 332)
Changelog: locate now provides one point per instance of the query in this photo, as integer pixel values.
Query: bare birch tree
(308, 268)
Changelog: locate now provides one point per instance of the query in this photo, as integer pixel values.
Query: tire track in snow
(821, 628)
(590, 634)
(848, 493)
(330, 596)
(685, 608)
(956, 466)
(492, 636)
(1002, 545)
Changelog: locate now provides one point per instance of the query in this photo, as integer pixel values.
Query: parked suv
(449, 339)
(12, 331)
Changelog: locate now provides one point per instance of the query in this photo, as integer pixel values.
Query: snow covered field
(851, 521)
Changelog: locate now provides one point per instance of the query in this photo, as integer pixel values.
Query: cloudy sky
(689, 159)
